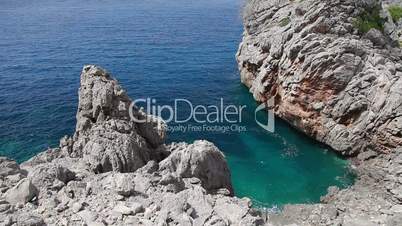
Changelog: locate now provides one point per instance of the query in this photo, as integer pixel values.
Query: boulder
(46, 175)
(111, 150)
(107, 134)
(9, 167)
(23, 192)
(201, 160)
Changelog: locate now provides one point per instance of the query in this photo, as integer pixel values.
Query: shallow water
(163, 49)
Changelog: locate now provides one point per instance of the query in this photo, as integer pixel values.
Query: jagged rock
(29, 220)
(328, 80)
(23, 192)
(201, 160)
(376, 37)
(133, 209)
(76, 207)
(9, 167)
(10, 174)
(43, 157)
(338, 85)
(116, 171)
(106, 134)
(111, 150)
(123, 184)
(46, 175)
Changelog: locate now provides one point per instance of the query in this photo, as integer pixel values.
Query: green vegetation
(369, 19)
(285, 21)
(396, 12)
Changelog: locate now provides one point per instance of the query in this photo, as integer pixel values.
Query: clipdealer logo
(184, 116)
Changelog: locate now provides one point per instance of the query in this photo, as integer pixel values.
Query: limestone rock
(23, 192)
(118, 171)
(331, 81)
(9, 167)
(201, 160)
(45, 175)
(341, 86)
(106, 135)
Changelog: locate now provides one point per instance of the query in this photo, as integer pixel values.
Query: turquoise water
(162, 49)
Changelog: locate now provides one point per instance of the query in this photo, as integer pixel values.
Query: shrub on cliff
(368, 19)
(396, 12)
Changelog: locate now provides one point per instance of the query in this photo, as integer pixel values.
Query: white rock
(23, 192)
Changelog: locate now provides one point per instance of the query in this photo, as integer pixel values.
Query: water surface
(163, 49)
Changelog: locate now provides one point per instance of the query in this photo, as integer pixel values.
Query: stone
(23, 192)
(30, 220)
(115, 171)
(46, 175)
(9, 167)
(328, 79)
(78, 206)
(106, 134)
(367, 155)
(137, 207)
(122, 209)
(340, 86)
(397, 209)
(201, 160)
(87, 216)
(376, 37)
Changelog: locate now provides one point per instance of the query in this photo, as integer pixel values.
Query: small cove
(159, 49)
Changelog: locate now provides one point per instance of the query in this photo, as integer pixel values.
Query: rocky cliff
(114, 171)
(334, 70)
(333, 67)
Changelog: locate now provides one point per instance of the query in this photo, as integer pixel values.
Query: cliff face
(337, 84)
(340, 82)
(114, 171)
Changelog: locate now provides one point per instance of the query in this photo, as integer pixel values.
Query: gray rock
(23, 192)
(122, 209)
(78, 206)
(9, 167)
(325, 60)
(106, 135)
(337, 85)
(29, 220)
(376, 37)
(201, 160)
(46, 175)
(118, 172)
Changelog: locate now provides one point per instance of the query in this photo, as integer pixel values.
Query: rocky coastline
(114, 171)
(341, 86)
(334, 71)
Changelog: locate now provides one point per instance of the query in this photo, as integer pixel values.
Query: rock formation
(334, 70)
(115, 171)
(329, 79)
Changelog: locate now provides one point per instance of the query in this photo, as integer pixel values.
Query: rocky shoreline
(328, 79)
(339, 84)
(114, 171)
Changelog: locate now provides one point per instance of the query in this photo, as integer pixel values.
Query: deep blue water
(163, 49)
